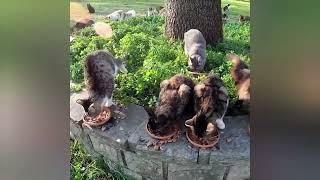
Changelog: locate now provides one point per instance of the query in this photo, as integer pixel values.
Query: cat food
(100, 119)
(204, 143)
(172, 135)
(170, 132)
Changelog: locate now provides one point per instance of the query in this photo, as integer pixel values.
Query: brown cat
(241, 75)
(211, 99)
(175, 96)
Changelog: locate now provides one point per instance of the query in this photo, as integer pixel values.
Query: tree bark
(204, 15)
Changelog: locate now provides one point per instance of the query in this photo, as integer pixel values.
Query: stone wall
(123, 145)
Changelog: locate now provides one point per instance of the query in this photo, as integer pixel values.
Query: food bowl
(197, 142)
(200, 142)
(100, 119)
(173, 131)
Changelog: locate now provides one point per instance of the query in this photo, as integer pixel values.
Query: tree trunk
(204, 15)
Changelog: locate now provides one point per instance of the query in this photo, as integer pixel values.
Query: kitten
(100, 70)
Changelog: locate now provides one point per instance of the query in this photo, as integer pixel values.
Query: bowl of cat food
(166, 133)
(206, 142)
(100, 119)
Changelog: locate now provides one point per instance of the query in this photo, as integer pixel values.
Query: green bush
(151, 57)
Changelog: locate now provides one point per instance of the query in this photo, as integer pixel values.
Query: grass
(83, 167)
(104, 7)
(238, 7)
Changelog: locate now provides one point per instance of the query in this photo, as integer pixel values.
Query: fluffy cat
(211, 99)
(99, 71)
(241, 76)
(195, 49)
(175, 96)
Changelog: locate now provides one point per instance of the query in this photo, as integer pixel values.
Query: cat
(174, 98)
(241, 75)
(100, 70)
(211, 98)
(195, 49)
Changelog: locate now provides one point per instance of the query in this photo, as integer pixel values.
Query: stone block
(138, 141)
(83, 138)
(195, 172)
(239, 172)
(131, 175)
(148, 168)
(181, 151)
(234, 144)
(116, 167)
(204, 156)
(75, 129)
(117, 135)
(103, 148)
(176, 151)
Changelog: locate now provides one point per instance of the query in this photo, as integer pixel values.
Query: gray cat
(195, 49)
(99, 71)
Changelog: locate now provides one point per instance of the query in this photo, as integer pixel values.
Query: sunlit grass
(140, 6)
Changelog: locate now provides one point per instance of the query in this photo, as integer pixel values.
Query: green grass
(83, 167)
(238, 7)
(140, 6)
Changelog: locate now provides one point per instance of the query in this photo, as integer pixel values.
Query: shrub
(151, 57)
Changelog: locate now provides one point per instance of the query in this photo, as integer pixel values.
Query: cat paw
(220, 124)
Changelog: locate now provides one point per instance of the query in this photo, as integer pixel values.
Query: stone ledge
(124, 142)
(239, 172)
(117, 135)
(182, 172)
